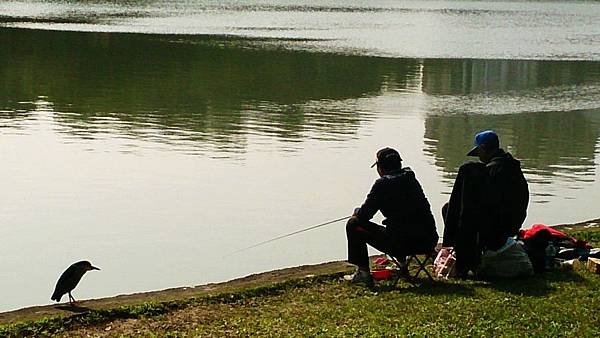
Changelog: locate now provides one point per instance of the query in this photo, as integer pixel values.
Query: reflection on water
(548, 144)
(546, 113)
(467, 77)
(151, 87)
(495, 87)
(191, 95)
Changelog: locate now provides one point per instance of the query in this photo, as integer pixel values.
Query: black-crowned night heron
(69, 279)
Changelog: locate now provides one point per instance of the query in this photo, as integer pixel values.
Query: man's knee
(352, 225)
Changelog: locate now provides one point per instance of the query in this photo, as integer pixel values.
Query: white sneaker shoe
(360, 277)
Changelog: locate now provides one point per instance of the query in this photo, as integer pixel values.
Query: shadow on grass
(437, 287)
(539, 285)
(73, 308)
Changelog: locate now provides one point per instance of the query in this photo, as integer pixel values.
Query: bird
(70, 278)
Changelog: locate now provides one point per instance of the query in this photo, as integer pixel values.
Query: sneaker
(360, 277)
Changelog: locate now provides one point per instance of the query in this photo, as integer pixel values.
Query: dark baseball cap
(387, 158)
(487, 139)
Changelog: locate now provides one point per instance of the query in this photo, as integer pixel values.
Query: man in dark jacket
(488, 203)
(409, 224)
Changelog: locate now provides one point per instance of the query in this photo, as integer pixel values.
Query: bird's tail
(56, 297)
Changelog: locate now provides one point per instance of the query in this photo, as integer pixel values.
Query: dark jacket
(508, 196)
(401, 200)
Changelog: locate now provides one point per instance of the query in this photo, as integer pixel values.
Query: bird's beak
(95, 268)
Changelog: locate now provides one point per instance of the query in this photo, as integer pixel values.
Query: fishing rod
(290, 234)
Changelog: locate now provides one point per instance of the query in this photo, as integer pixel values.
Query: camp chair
(409, 271)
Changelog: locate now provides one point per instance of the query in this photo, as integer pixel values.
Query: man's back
(401, 200)
(509, 195)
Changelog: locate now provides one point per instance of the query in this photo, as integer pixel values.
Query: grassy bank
(553, 304)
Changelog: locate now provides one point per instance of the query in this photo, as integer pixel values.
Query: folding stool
(404, 270)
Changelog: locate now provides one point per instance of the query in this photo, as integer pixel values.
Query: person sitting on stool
(409, 223)
(488, 203)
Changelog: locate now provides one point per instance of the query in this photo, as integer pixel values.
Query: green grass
(560, 303)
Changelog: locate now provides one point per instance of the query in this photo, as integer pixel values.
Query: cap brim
(473, 152)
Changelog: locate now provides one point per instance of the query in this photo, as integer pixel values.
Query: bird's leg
(71, 299)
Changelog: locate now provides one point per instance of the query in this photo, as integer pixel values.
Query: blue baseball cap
(487, 139)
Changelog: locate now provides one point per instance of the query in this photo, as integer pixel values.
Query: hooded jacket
(507, 197)
(401, 200)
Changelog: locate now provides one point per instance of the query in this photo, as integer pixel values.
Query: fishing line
(290, 234)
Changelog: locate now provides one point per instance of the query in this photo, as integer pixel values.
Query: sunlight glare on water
(447, 29)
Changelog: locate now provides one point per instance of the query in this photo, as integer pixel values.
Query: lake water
(154, 138)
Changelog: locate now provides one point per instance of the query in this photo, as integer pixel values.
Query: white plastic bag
(510, 260)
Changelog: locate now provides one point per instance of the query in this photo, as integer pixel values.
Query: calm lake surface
(154, 138)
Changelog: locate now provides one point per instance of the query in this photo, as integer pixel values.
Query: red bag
(555, 235)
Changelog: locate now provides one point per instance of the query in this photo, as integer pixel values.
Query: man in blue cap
(409, 224)
(488, 203)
